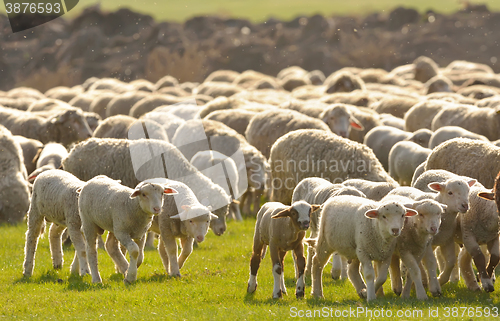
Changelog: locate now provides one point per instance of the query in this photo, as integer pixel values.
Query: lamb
(479, 225)
(381, 139)
(413, 242)
(282, 228)
(449, 132)
(404, 158)
(55, 200)
(122, 126)
(483, 121)
(373, 190)
(422, 113)
(182, 216)
(454, 156)
(315, 190)
(132, 162)
(340, 120)
(105, 204)
(363, 231)
(227, 175)
(453, 191)
(65, 127)
(14, 192)
(266, 127)
(323, 155)
(50, 157)
(237, 119)
(31, 148)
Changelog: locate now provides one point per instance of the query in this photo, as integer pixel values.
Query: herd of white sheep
(393, 172)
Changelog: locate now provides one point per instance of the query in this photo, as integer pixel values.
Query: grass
(213, 286)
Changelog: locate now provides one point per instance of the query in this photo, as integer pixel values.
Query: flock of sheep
(391, 171)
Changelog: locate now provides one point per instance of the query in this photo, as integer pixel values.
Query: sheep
(422, 113)
(492, 102)
(132, 162)
(453, 191)
(63, 93)
(455, 156)
(413, 242)
(14, 191)
(168, 121)
(323, 155)
(293, 81)
(282, 228)
(142, 84)
(479, 225)
(150, 102)
(182, 216)
(316, 77)
(83, 100)
(50, 157)
(393, 121)
(425, 69)
(451, 97)
(248, 78)
(216, 89)
(64, 127)
(340, 120)
(23, 92)
(55, 200)
(315, 190)
(223, 76)
(356, 97)
(464, 66)
(105, 204)
(111, 84)
(266, 127)
(381, 139)
(122, 126)
(479, 91)
(395, 105)
(438, 84)
(30, 147)
(48, 104)
(449, 132)
(17, 103)
(363, 231)
(483, 121)
(373, 190)
(237, 119)
(226, 176)
(166, 81)
(418, 172)
(264, 96)
(404, 158)
(343, 81)
(122, 103)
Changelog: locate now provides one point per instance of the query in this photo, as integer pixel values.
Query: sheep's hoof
(487, 285)
(299, 294)
(277, 295)
(397, 292)
(57, 266)
(250, 290)
(436, 294)
(362, 294)
(127, 282)
(176, 275)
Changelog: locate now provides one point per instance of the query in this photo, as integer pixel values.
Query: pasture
(213, 286)
(261, 10)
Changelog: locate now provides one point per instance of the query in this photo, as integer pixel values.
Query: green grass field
(260, 10)
(213, 286)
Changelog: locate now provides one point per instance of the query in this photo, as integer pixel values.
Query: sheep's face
(73, 126)
(454, 193)
(197, 227)
(340, 120)
(429, 215)
(390, 217)
(218, 225)
(299, 213)
(151, 196)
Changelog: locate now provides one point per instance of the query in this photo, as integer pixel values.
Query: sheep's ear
(213, 216)
(472, 182)
(78, 191)
(356, 124)
(487, 195)
(170, 191)
(136, 193)
(185, 207)
(410, 212)
(283, 213)
(409, 205)
(37, 156)
(176, 217)
(315, 207)
(32, 177)
(435, 186)
(371, 213)
(443, 206)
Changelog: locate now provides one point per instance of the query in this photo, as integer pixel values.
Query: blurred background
(189, 39)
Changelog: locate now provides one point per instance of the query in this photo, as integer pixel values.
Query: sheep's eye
(450, 193)
(383, 216)
(144, 195)
(190, 221)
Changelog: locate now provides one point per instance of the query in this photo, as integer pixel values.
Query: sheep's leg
(282, 255)
(310, 255)
(381, 275)
(163, 253)
(258, 252)
(256, 201)
(36, 224)
(301, 264)
(171, 247)
(150, 240)
(466, 270)
(493, 248)
(431, 265)
(277, 270)
(55, 233)
(455, 273)
(336, 266)
(407, 288)
(395, 273)
(355, 277)
(134, 251)
(80, 262)
(425, 278)
(474, 250)
(90, 232)
(141, 243)
(245, 203)
(343, 273)
(369, 275)
(114, 251)
(323, 253)
(187, 248)
(413, 271)
(235, 211)
(448, 252)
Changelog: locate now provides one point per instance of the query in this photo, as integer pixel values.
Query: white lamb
(105, 204)
(404, 158)
(363, 231)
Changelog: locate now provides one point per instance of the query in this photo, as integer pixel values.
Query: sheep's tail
(311, 242)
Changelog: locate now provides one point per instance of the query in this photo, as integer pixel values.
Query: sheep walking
(282, 228)
(105, 204)
(363, 231)
(55, 200)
